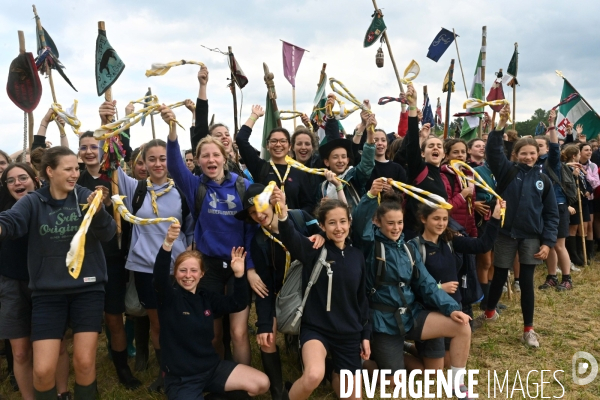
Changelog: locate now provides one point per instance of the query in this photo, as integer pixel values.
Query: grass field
(567, 323)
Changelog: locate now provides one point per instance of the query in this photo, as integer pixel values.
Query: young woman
(460, 197)
(189, 160)
(383, 166)
(4, 161)
(304, 145)
(393, 292)
(345, 329)
(271, 262)
(530, 226)
(191, 364)
(294, 182)
(549, 160)
(216, 230)
(114, 300)
(445, 250)
(138, 167)
(424, 156)
(476, 152)
(50, 217)
(590, 169)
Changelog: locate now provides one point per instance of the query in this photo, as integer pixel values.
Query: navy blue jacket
(529, 214)
(553, 157)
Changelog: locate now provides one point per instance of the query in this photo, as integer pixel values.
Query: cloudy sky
(551, 35)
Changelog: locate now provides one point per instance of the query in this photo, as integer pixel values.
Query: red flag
(496, 92)
(237, 72)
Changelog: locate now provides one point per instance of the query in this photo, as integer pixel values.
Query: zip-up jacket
(186, 320)
(398, 269)
(553, 158)
(460, 207)
(50, 225)
(349, 315)
(529, 214)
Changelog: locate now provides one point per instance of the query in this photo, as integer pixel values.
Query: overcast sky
(551, 35)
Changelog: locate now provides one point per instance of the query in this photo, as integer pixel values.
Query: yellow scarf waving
(315, 171)
(158, 69)
(129, 217)
(433, 200)
(76, 252)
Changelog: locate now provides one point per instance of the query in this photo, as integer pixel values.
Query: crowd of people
(402, 275)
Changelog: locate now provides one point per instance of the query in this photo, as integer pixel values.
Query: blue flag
(427, 112)
(440, 44)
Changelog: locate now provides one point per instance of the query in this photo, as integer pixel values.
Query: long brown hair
(423, 212)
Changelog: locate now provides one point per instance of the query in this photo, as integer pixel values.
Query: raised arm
(252, 160)
(484, 243)
(367, 160)
(239, 299)
(14, 222)
(162, 264)
(414, 161)
(200, 129)
(494, 148)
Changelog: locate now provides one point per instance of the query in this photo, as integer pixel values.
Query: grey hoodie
(50, 226)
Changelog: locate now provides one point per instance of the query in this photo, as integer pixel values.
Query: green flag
(375, 30)
(577, 112)
(513, 67)
(108, 64)
(270, 123)
(471, 122)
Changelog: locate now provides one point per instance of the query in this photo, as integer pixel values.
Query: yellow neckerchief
(434, 200)
(158, 69)
(479, 181)
(154, 195)
(464, 183)
(76, 252)
(315, 171)
(287, 171)
(288, 257)
(127, 216)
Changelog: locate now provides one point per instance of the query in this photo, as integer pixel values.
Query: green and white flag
(577, 112)
(471, 122)
(375, 30)
(318, 114)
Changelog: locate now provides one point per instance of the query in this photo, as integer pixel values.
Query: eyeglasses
(273, 142)
(22, 178)
(92, 147)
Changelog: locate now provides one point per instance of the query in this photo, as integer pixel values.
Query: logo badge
(207, 313)
(539, 185)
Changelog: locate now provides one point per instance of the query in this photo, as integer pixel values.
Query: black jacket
(50, 226)
(186, 320)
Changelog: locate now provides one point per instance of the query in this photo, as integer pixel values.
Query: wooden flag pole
(294, 103)
(581, 224)
(29, 115)
(212, 120)
(514, 105)
(47, 67)
(114, 181)
(447, 121)
(483, 56)
(232, 87)
(494, 111)
(460, 64)
(389, 47)
(152, 119)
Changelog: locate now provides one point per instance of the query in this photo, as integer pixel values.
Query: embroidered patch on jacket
(89, 279)
(207, 313)
(539, 185)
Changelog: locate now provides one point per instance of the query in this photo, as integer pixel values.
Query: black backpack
(566, 181)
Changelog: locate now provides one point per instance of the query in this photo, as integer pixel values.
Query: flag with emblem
(471, 122)
(427, 112)
(496, 92)
(440, 44)
(318, 115)
(577, 112)
(109, 65)
(375, 30)
(292, 55)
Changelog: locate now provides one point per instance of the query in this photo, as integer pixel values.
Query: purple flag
(292, 55)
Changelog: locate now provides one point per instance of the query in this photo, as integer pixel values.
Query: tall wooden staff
(48, 69)
(447, 121)
(29, 138)
(389, 47)
(483, 57)
(494, 111)
(271, 89)
(514, 105)
(152, 118)
(581, 225)
(232, 87)
(460, 63)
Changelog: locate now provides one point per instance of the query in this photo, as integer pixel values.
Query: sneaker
(504, 288)
(516, 287)
(551, 282)
(482, 319)
(530, 339)
(565, 285)
(574, 268)
(465, 393)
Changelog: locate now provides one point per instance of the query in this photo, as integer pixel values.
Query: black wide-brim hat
(326, 149)
(248, 201)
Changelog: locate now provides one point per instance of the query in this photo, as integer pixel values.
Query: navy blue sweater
(349, 315)
(186, 320)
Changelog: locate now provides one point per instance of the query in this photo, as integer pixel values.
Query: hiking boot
(530, 339)
(551, 282)
(516, 287)
(504, 288)
(566, 284)
(482, 319)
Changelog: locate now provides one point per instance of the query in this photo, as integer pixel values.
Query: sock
(566, 278)
(527, 329)
(455, 370)
(552, 276)
(516, 280)
(489, 313)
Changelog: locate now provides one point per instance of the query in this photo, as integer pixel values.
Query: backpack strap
(314, 275)
(139, 196)
(380, 259)
(422, 175)
(503, 184)
(185, 208)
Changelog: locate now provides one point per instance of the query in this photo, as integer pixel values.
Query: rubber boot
(590, 250)
(159, 382)
(126, 378)
(89, 392)
(51, 394)
(485, 287)
(130, 332)
(142, 337)
(570, 244)
(579, 250)
(272, 366)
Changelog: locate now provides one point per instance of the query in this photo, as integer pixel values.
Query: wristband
(339, 188)
(252, 118)
(439, 285)
(283, 219)
(167, 244)
(412, 107)
(45, 126)
(370, 195)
